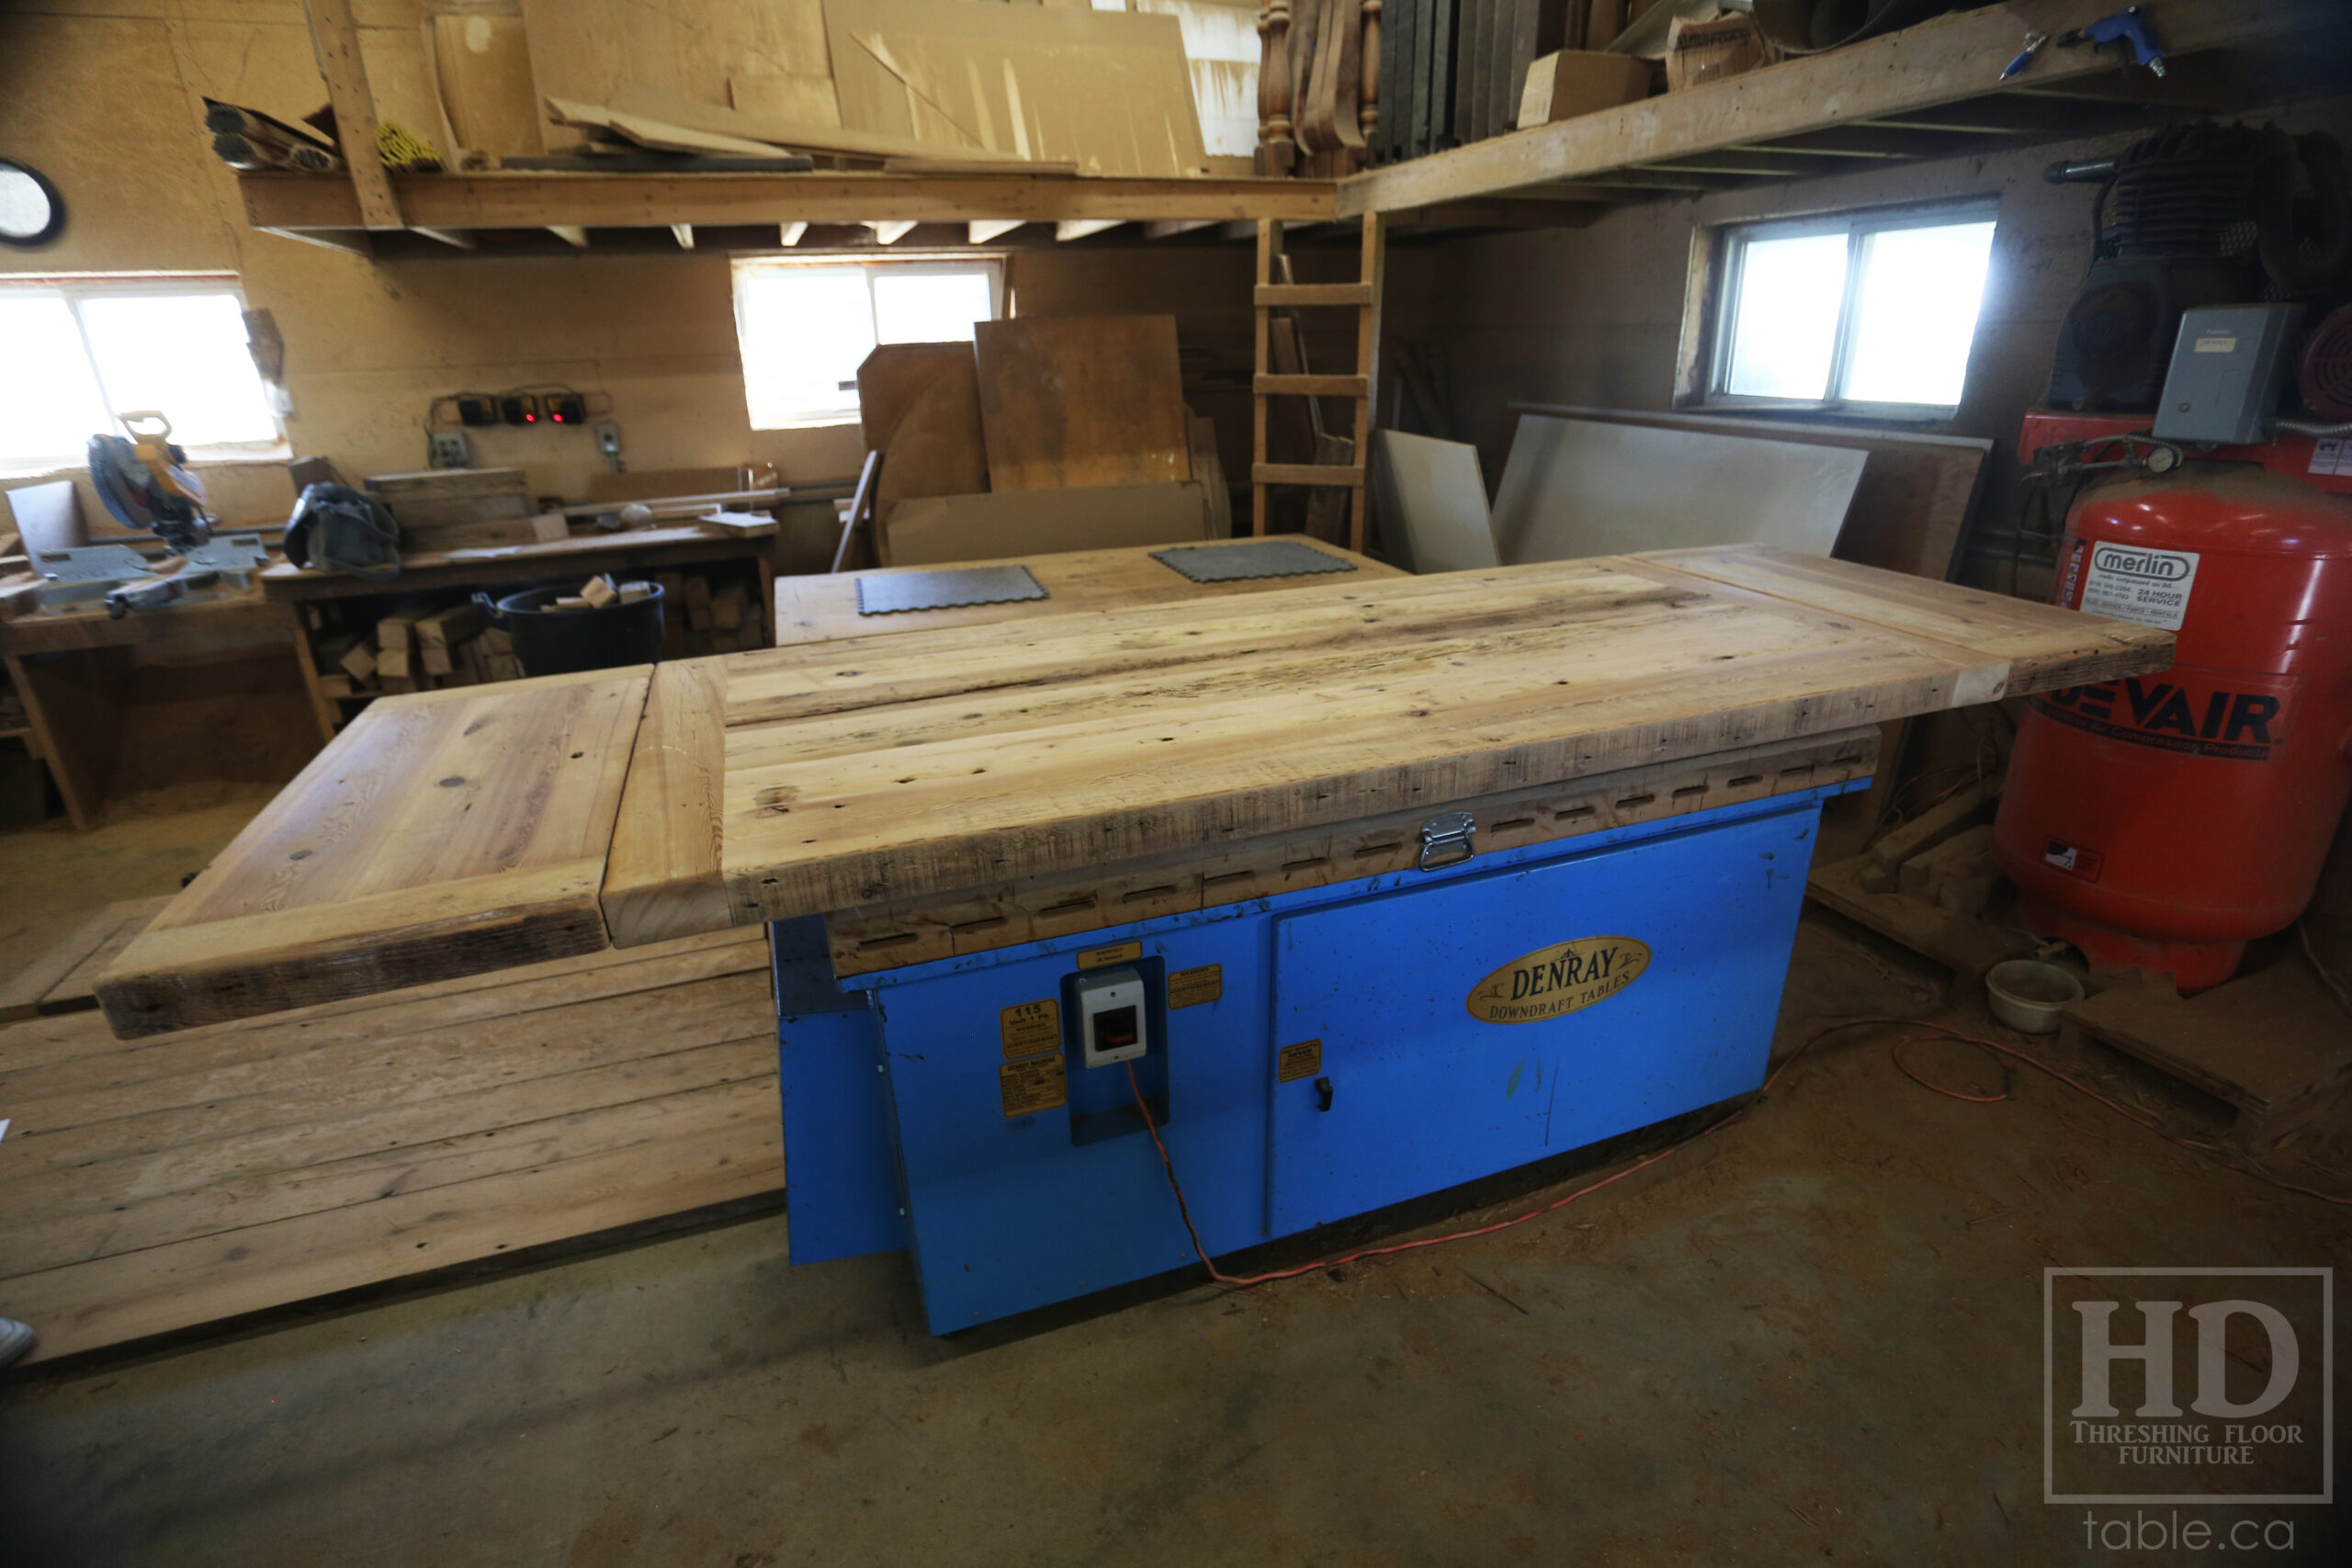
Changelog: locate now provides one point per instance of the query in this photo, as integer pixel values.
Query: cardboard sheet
(1576, 488)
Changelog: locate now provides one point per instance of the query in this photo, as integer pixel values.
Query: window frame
(1723, 257)
(992, 263)
(75, 287)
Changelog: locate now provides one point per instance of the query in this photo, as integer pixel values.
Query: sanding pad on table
(1261, 558)
(887, 595)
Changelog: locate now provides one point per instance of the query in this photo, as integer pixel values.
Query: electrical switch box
(2227, 367)
(1114, 1023)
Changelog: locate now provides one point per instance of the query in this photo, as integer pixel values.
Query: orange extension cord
(1927, 1031)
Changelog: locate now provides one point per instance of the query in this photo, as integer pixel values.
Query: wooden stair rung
(1331, 475)
(1311, 386)
(1278, 294)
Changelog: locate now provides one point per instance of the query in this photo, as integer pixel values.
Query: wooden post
(334, 39)
(1276, 144)
(1374, 265)
(1368, 121)
(1270, 249)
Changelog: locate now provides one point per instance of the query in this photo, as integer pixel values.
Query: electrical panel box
(1114, 1023)
(2226, 369)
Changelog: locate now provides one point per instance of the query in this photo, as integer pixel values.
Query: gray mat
(896, 591)
(1260, 558)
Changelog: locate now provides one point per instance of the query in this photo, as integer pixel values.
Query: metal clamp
(1448, 836)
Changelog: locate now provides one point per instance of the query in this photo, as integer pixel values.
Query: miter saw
(144, 482)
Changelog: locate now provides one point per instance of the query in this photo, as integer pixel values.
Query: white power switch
(1113, 1024)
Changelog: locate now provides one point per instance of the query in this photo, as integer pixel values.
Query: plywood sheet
(893, 377)
(1911, 508)
(933, 761)
(938, 447)
(591, 50)
(638, 97)
(1078, 401)
(1574, 488)
(482, 65)
(1433, 495)
(431, 837)
(796, 100)
(934, 530)
(1108, 90)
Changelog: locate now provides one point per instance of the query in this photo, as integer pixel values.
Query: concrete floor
(1814, 1336)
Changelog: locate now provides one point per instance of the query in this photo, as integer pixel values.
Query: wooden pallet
(1870, 889)
(165, 1184)
(65, 977)
(2273, 1045)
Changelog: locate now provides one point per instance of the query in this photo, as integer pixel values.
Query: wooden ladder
(1271, 295)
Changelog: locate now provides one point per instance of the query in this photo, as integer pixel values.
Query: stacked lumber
(420, 650)
(698, 618)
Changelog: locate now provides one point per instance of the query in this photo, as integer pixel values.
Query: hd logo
(2204, 713)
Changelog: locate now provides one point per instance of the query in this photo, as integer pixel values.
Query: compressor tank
(2165, 820)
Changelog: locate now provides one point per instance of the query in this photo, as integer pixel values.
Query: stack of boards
(454, 509)
(1043, 433)
(926, 85)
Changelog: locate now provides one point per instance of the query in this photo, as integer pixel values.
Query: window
(806, 325)
(81, 350)
(1860, 311)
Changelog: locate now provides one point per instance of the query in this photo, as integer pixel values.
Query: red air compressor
(2165, 820)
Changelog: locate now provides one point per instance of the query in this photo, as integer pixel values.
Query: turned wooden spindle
(1369, 118)
(1277, 147)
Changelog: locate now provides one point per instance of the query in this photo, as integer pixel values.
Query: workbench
(72, 666)
(1346, 872)
(316, 599)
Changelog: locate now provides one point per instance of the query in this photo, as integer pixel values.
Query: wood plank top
(587, 554)
(933, 761)
(824, 609)
(434, 838)
(165, 1184)
(488, 825)
(234, 617)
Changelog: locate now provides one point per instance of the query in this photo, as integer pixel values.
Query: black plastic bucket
(548, 641)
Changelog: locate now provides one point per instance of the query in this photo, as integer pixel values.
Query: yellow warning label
(1117, 953)
(1554, 981)
(1191, 988)
(1035, 1085)
(1031, 1027)
(1302, 1060)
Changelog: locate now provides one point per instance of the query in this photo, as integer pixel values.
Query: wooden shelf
(1928, 91)
(453, 208)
